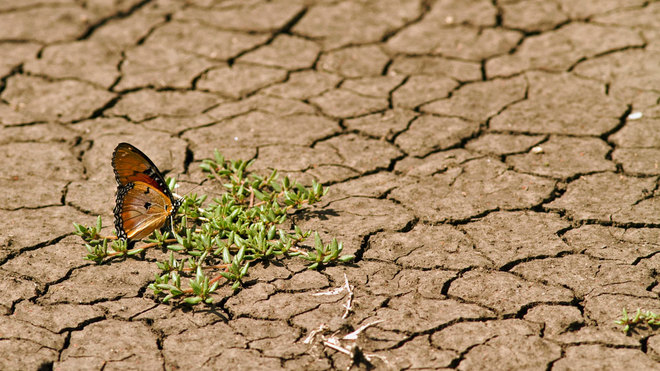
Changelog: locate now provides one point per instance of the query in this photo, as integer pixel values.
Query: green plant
(640, 318)
(221, 239)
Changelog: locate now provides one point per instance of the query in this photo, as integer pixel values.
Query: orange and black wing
(141, 208)
(131, 165)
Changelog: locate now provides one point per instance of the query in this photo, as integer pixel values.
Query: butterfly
(144, 201)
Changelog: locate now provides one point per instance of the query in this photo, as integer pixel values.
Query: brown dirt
(484, 166)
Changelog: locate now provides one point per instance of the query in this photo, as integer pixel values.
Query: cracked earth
(493, 165)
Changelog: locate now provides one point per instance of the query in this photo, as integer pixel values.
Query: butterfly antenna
(187, 193)
(180, 199)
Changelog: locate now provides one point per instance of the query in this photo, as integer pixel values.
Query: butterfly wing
(131, 165)
(141, 208)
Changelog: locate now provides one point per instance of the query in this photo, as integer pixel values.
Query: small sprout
(641, 318)
(171, 183)
(134, 251)
(346, 258)
(194, 300)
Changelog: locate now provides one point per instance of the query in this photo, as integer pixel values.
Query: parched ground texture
(493, 166)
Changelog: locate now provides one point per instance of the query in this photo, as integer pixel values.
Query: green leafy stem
(640, 318)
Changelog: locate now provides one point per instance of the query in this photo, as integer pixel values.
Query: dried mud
(493, 165)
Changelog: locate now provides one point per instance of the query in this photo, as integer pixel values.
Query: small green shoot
(640, 318)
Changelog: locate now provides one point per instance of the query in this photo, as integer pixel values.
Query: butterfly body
(144, 202)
